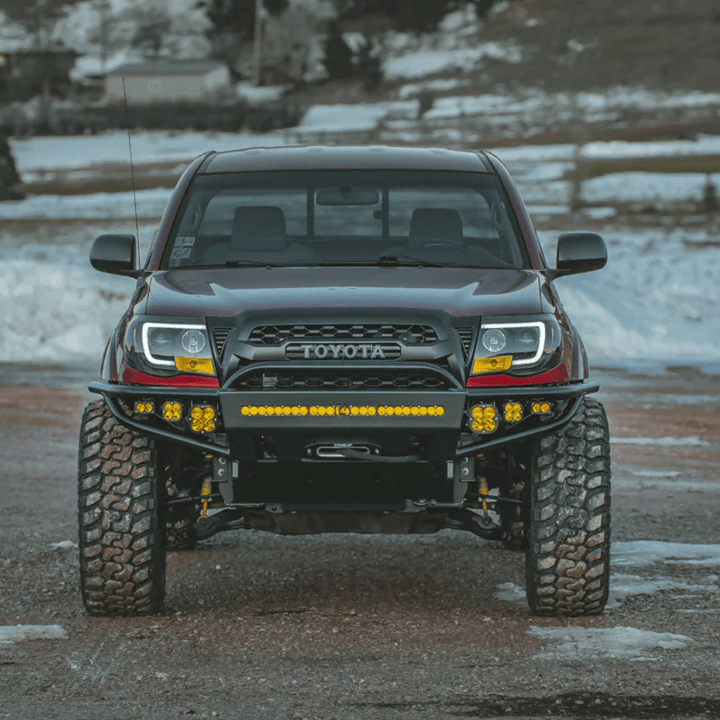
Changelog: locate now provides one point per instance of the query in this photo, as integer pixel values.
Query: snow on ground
(527, 163)
(511, 594)
(57, 311)
(640, 553)
(64, 545)
(80, 151)
(638, 187)
(411, 90)
(533, 105)
(624, 586)
(703, 145)
(353, 118)
(14, 633)
(666, 441)
(657, 297)
(150, 204)
(623, 643)
(428, 62)
(656, 473)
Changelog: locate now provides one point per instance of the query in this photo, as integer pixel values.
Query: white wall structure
(168, 81)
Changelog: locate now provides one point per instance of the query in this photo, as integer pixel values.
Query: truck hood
(459, 292)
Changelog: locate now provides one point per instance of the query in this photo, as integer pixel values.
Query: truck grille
(466, 337)
(279, 334)
(220, 336)
(385, 379)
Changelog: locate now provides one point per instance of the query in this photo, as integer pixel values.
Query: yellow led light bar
(346, 410)
(144, 407)
(513, 412)
(483, 419)
(198, 365)
(492, 364)
(541, 408)
(202, 418)
(172, 411)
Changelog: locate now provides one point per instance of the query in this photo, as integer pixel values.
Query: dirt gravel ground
(261, 626)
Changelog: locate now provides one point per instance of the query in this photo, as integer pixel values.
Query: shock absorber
(483, 492)
(205, 495)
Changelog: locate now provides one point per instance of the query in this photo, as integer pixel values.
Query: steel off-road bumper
(399, 426)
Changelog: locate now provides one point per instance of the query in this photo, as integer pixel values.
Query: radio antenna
(132, 166)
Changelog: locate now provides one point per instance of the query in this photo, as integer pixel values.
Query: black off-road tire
(122, 532)
(568, 552)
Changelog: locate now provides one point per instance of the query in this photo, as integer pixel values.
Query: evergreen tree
(338, 55)
(9, 178)
(232, 22)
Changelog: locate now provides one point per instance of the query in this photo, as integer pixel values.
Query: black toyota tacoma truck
(345, 339)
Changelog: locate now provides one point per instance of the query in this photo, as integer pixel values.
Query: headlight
(523, 343)
(170, 346)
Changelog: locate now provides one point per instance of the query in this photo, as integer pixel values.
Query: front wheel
(122, 532)
(568, 550)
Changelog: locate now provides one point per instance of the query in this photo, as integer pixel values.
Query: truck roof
(366, 157)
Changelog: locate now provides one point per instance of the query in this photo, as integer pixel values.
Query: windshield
(346, 218)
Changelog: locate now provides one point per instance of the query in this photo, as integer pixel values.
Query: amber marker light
(492, 364)
(144, 407)
(198, 365)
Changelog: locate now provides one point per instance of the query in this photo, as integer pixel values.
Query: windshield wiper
(405, 260)
(249, 263)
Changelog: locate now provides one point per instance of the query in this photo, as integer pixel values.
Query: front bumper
(403, 424)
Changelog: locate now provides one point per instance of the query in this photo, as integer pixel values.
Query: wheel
(568, 550)
(122, 538)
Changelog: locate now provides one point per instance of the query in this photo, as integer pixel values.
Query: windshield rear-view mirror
(347, 196)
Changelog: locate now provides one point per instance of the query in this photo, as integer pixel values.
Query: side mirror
(579, 252)
(115, 254)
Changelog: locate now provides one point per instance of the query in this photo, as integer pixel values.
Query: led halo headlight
(527, 337)
(517, 343)
(165, 340)
(182, 345)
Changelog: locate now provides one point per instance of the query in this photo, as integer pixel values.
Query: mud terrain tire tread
(121, 541)
(568, 553)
